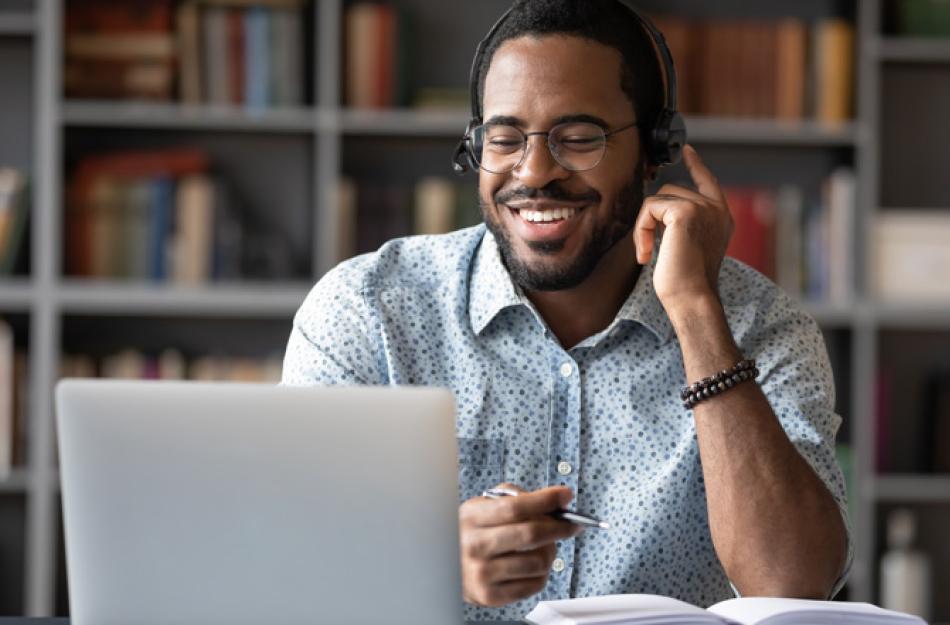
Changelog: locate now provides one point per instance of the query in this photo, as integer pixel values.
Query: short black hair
(605, 21)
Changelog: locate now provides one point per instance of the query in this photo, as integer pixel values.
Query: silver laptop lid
(198, 503)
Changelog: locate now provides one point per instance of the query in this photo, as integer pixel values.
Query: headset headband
(667, 135)
(659, 42)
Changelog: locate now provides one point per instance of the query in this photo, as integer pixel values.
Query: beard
(541, 276)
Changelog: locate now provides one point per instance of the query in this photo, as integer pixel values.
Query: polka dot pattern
(442, 311)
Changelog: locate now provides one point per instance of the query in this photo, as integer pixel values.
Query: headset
(667, 136)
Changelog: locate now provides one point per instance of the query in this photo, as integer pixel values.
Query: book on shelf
(370, 213)
(786, 68)
(911, 255)
(171, 364)
(6, 399)
(753, 240)
(638, 609)
(13, 401)
(163, 216)
(14, 218)
(376, 39)
(834, 70)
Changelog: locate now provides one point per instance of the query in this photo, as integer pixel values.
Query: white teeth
(548, 215)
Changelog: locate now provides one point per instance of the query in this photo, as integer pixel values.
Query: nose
(539, 166)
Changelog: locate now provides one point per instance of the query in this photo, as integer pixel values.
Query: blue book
(257, 58)
(161, 211)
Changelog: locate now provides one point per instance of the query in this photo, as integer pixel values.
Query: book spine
(190, 80)
(215, 27)
(6, 399)
(257, 61)
(239, 55)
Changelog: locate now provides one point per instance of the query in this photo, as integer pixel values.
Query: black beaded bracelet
(719, 383)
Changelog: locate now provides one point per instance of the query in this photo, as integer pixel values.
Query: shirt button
(558, 565)
(564, 468)
(566, 370)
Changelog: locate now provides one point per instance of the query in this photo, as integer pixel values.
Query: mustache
(552, 191)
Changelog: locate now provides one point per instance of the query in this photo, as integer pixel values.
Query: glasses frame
(470, 148)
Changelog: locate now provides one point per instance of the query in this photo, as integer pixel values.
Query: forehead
(545, 77)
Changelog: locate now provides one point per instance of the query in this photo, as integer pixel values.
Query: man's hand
(508, 544)
(696, 226)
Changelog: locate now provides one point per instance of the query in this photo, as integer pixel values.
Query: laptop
(203, 503)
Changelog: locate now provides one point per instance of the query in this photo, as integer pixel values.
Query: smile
(547, 216)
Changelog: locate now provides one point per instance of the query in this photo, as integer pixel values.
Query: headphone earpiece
(668, 138)
(462, 160)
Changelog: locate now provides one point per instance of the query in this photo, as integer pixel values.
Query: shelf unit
(335, 138)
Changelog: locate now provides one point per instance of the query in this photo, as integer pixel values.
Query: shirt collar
(491, 291)
(643, 306)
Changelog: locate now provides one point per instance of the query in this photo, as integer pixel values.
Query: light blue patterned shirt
(603, 417)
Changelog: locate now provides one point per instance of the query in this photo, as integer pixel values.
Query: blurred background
(176, 174)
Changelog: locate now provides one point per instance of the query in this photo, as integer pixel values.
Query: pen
(563, 515)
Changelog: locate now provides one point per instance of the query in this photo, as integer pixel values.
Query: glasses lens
(498, 148)
(578, 146)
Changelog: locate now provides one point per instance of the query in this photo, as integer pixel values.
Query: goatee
(541, 276)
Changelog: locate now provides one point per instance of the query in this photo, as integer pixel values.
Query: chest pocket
(481, 465)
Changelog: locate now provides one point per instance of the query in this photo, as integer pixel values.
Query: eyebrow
(510, 120)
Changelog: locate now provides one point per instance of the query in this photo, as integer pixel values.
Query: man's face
(535, 83)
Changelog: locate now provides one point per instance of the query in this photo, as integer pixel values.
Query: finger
(705, 181)
(487, 512)
(654, 212)
(534, 563)
(675, 191)
(529, 535)
(509, 592)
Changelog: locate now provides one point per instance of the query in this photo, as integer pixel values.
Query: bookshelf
(309, 147)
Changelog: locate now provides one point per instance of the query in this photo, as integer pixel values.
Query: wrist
(697, 310)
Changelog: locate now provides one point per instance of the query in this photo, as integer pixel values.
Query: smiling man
(567, 335)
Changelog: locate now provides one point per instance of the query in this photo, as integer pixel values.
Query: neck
(577, 313)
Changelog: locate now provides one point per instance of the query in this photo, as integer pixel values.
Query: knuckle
(531, 534)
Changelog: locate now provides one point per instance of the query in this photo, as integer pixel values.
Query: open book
(656, 610)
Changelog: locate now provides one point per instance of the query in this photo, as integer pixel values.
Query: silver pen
(564, 515)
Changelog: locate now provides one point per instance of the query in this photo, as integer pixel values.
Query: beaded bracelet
(719, 383)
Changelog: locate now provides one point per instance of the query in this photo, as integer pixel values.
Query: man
(567, 334)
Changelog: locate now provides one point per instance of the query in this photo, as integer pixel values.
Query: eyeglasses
(576, 146)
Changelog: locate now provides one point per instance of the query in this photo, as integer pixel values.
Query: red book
(236, 56)
(385, 56)
(753, 242)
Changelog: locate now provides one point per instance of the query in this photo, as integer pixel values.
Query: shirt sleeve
(332, 340)
(796, 377)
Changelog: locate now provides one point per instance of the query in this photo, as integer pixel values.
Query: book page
(776, 611)
(620, 609)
